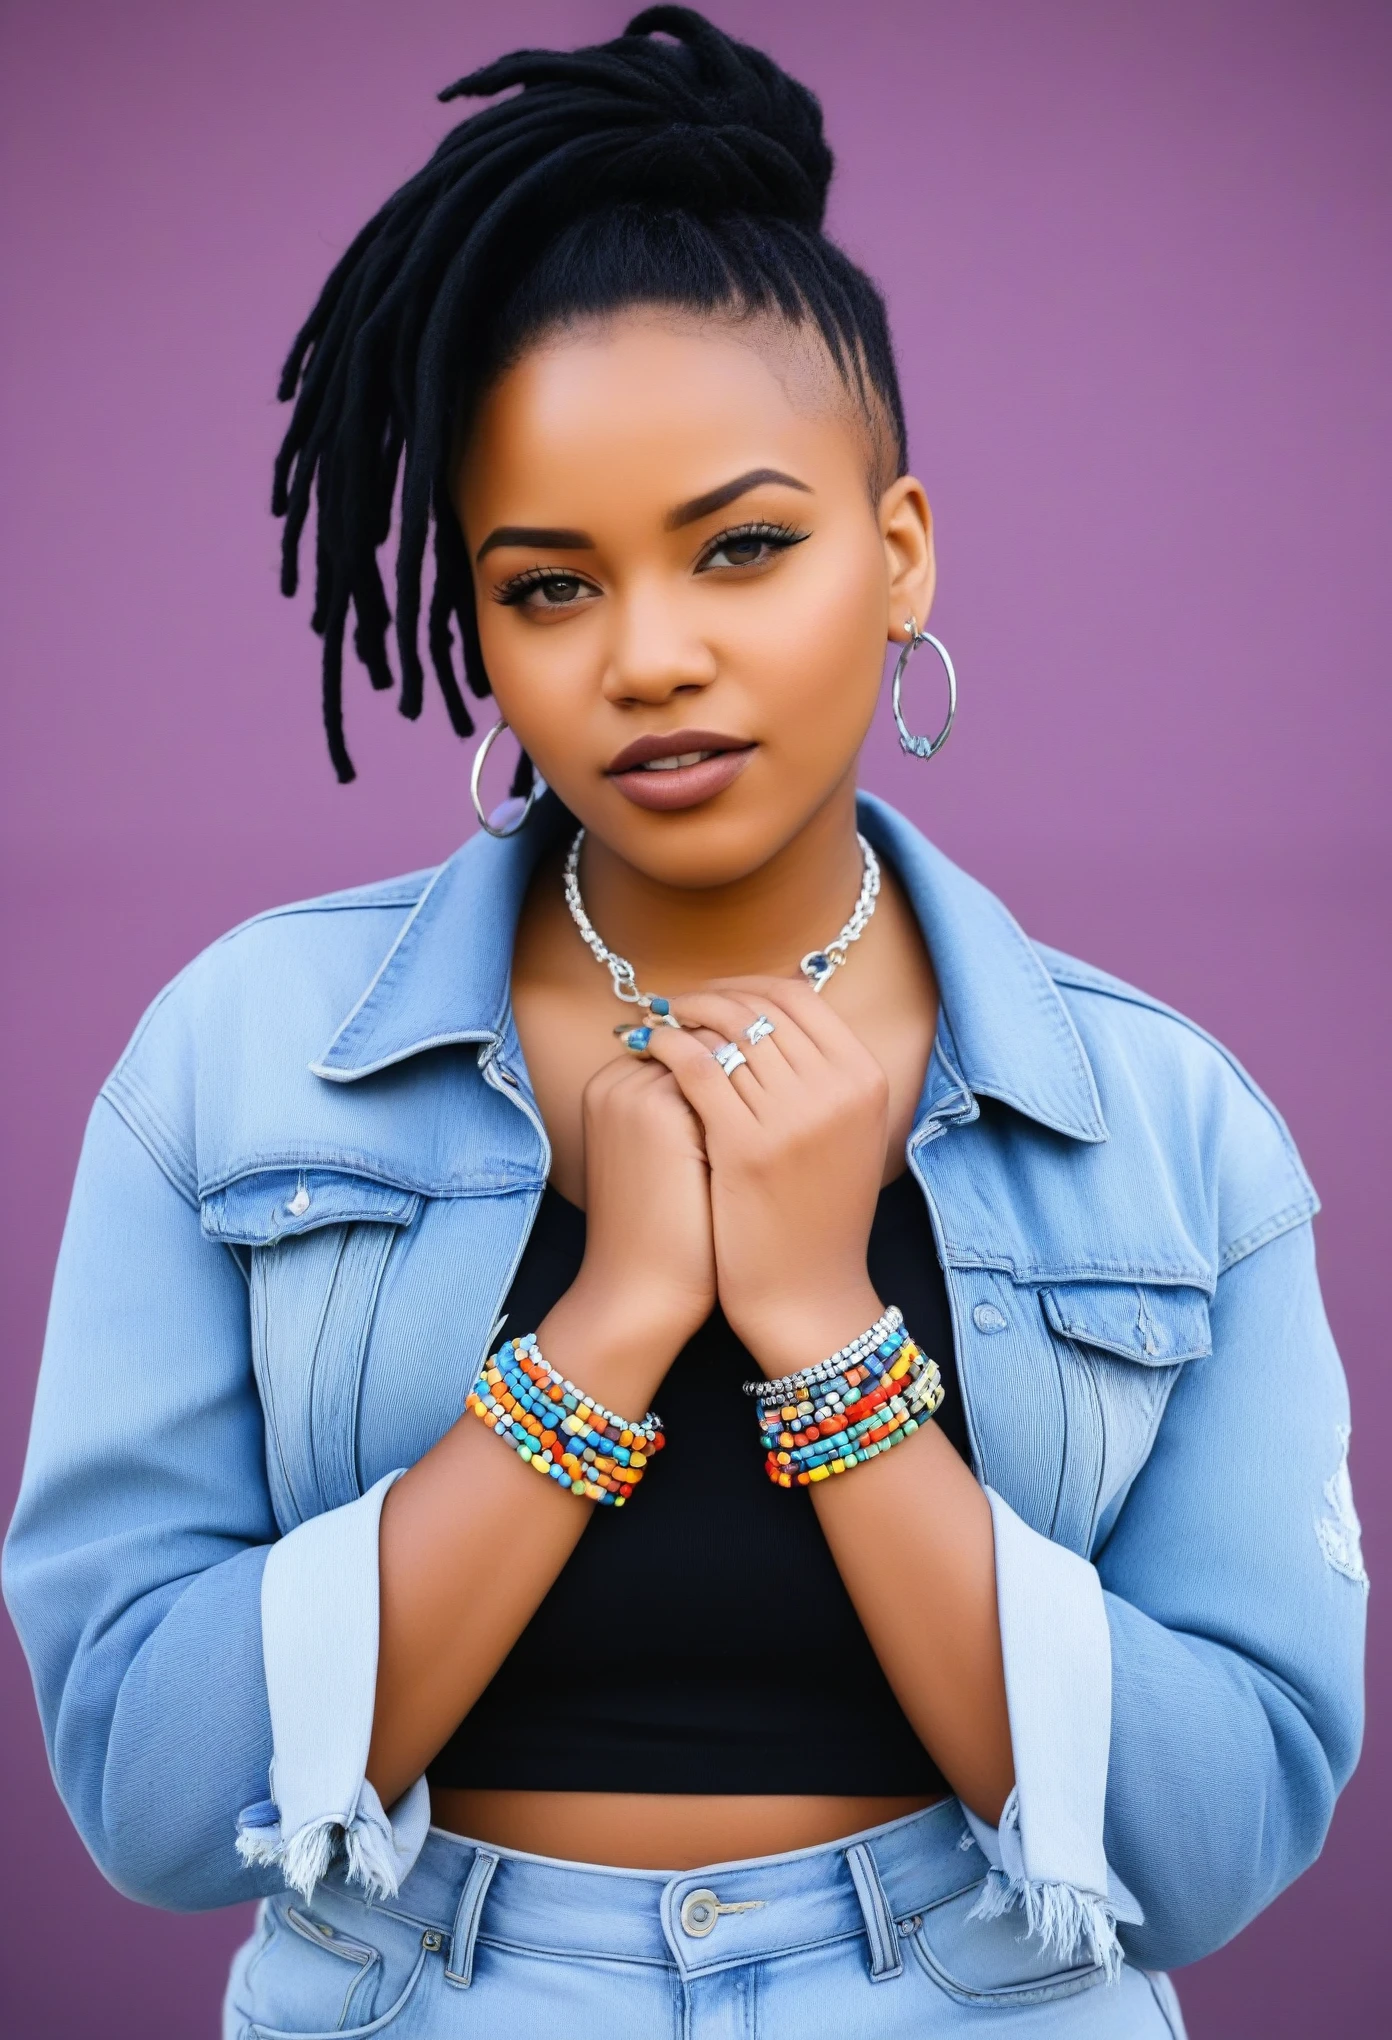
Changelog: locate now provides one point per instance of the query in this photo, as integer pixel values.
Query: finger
(704, 1085)
(798, 1002)
(627, 1067)
(728, 1016)
(795, 1044)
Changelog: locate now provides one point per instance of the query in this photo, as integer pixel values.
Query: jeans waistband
(700, 1920)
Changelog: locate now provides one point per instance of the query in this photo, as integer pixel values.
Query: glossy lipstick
(680, 770)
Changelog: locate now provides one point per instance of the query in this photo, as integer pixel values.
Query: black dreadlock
(690, 172)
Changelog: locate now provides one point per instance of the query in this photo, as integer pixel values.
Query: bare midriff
(660, 1830)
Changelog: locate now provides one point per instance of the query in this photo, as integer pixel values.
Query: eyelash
(780, 536)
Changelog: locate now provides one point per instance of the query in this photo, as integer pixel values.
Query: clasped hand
(758, 1187)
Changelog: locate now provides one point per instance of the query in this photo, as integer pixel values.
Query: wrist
(614, 1342)
(801, 1331)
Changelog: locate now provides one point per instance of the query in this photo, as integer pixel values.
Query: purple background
(1136, 259)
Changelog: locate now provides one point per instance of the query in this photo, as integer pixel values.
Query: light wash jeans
(870, 1936)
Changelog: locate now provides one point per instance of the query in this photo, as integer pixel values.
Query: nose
(654, 653)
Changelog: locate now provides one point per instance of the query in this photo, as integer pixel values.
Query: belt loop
(466, 1919)
(886, 1956)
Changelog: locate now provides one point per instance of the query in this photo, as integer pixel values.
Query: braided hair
(689, 172)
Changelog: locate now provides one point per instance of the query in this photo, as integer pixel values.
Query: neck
(679, 937)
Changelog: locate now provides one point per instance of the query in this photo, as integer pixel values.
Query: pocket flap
(276, 1204)
(1156, 1326)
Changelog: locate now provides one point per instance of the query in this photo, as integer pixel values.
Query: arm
(1199, 1716)
(797, 1147)
(190, 1664)
(133, 1566)
(1236, 1602)
(450, 1610)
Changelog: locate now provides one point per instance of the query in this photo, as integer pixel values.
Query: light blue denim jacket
(302, 1197)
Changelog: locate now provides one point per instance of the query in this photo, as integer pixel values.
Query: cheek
(540, 675)
(820, 663)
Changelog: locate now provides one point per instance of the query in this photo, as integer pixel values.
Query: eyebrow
(543, 538)
(550, 538)
(716, 499)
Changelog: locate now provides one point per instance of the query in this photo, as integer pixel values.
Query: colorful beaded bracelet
(895, 1418)
(869, 1397)
(811, 1405)
(889, 1427)
(799, 1425)
(559, 1430)
(808, 1377)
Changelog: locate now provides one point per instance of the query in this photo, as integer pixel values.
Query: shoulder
(251, 1012)
(1170, 1090)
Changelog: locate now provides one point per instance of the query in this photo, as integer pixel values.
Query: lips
(679, 770)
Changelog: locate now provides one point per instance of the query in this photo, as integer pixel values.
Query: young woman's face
(678, 555)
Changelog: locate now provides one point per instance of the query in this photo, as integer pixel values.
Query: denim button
(987, 1318)
(299, 1203)
(699, 1912)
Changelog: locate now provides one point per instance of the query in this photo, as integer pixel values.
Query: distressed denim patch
(1341, 1534)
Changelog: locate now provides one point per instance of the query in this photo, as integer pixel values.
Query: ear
(906, 526)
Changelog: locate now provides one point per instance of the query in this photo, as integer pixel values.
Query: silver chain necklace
(817, 966)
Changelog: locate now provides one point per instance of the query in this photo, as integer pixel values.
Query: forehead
(651, 398)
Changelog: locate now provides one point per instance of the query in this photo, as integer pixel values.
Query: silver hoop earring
(923, 747)
(480, 757)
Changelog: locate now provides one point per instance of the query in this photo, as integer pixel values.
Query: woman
(406, 1207)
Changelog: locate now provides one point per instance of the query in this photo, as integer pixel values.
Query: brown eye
(543, 589)
(751, 545)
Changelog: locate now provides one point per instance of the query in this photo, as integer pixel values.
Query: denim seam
(156, 1139)
(369, 1169)
(259, 1324)
(384, 970)
(1172, 1275)
(1270, 1229)
(1051, 1003)
(454, 1037)
(1175, 2032)
(306, 1414)
(1088, 1977)
(1079, 978)
(663, 1961)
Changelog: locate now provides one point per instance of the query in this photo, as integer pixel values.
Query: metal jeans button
(701, 1909)
(699, 1913)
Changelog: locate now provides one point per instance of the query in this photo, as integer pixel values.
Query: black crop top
(696, 1633)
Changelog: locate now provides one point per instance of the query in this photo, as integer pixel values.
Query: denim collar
(1005, 1027)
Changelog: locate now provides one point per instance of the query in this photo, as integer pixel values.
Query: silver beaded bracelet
(787, 1385)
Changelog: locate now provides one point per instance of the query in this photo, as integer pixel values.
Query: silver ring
(759, 1030)
(729, 1057)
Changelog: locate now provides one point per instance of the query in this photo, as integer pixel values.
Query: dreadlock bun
(688, 170)
(702, 122)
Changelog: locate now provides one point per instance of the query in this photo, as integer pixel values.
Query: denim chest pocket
(1119, 1349)
(991, 1964)
(318, 1242)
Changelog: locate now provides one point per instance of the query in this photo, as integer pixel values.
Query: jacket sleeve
(1235, 1598)
(143, 1569)
(1185, 1710)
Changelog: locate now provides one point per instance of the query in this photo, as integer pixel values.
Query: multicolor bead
(558, 1430)
(825, 1425)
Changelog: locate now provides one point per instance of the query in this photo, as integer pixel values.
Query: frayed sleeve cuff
(319, 1630)
(1046, 1855)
